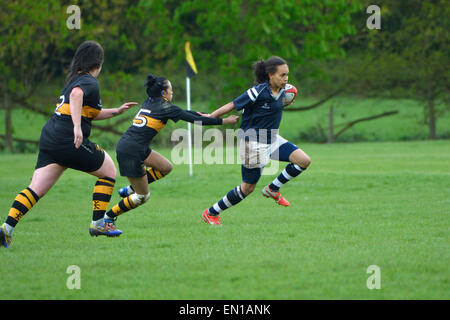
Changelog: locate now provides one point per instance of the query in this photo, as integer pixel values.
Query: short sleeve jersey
(59, 128)
(262, 113)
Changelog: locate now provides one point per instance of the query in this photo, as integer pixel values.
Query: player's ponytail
(155, 85)
(88, 56)
(262, 68)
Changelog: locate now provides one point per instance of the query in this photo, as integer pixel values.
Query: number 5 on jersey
(140, 120)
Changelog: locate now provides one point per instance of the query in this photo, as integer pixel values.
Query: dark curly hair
(262, 68)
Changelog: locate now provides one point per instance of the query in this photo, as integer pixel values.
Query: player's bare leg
(300, 158)
(157, 167)
(158, 162)
(108, 169)
(247, 188)
(44, 178)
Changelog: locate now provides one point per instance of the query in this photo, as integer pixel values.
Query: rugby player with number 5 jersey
(137, 161)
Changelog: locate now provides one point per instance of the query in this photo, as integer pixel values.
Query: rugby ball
(290, 94)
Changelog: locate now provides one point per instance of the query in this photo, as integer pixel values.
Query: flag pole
(191, 70)
(188, 97)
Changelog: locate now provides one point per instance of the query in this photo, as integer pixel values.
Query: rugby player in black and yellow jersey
(137, 161)
(64, 143)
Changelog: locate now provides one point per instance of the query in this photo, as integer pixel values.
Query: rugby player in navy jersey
(64, 143)
(262, 107)
(137, 161)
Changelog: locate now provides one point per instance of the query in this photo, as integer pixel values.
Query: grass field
(362, 204)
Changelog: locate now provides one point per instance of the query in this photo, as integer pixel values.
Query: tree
(32, 34)
(37, 47)
(228, 36)
(425, 44)
(413, 48)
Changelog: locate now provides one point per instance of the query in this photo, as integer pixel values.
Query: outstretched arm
(192, 116)
(222, 110)
(112, 112)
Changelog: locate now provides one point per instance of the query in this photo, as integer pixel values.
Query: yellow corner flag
(191, 69)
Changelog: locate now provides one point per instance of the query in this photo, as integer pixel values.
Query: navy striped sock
(290, 172)
(233, 197)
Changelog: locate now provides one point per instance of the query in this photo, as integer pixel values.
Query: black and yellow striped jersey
(92, 104)
(59, 128)
(153, 116)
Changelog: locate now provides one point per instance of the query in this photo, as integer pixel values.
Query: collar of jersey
(267, 85)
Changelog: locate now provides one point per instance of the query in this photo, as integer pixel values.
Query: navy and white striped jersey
(262, 112)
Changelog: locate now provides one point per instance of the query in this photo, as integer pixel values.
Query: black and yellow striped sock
(153, 175)
(124, 205)
(23, 202)
(101, 196)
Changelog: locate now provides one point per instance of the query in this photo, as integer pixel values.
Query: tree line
(408, 56)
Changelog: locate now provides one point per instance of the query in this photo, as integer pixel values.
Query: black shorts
(88, 157)
(131, 158)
